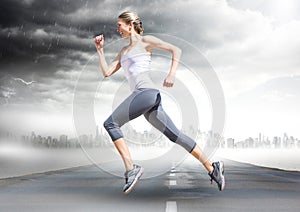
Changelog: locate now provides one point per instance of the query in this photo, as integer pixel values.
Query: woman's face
(123, 28)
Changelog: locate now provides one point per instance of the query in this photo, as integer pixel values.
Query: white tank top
(136, 64)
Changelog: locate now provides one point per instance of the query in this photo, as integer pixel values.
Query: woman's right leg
(123, 150)
(133, 106)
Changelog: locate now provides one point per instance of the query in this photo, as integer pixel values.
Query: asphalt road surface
(184, 188)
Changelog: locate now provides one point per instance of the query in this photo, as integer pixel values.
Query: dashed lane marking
(172, 182)
(171, 206)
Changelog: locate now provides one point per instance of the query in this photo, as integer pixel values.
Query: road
(184, 188)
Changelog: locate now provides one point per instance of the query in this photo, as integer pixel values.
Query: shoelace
(126, 177)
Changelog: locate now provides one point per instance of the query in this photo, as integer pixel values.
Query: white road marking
(172, 174)
(172, 182)
(171, 206)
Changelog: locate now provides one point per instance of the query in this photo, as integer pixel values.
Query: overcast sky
(253, 47)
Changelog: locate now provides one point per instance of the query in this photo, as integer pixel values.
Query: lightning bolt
(23, 81)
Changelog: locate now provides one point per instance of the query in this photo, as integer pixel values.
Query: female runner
(135, 59)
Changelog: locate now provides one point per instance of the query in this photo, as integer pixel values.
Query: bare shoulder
(150, 39)
(154, 42)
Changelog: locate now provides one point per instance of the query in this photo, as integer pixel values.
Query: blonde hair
(130, 16)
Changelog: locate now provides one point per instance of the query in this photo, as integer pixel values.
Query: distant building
(249, 143)
(240, 144)
(97, 136)
(276, 142)
(230, 143)
(63, 139)
(83, 140)
(49, 141)
(33, 138)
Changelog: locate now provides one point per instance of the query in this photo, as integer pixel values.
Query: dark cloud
(40, 38)
(39, 35)
(40, 12)
(29, 28)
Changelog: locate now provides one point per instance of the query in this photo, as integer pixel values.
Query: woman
(135, 59)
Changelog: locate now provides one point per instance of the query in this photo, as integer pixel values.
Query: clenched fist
(99, 42)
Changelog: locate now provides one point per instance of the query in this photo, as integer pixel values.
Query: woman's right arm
(107, 70)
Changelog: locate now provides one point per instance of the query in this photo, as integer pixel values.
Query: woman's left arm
(176, 54)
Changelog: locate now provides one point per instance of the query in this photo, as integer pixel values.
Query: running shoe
(218, 174)
(131, 178)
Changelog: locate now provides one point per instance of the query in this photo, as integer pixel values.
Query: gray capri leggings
(146, 101)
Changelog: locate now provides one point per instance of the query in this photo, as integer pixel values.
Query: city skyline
(101, 138)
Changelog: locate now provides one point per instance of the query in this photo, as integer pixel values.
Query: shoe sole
(221, 188)
(140, 173)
